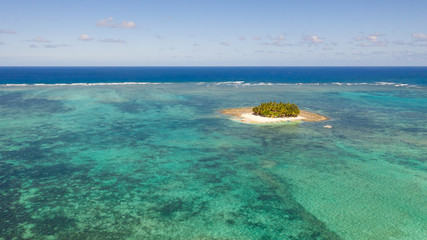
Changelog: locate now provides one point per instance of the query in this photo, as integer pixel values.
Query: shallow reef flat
(157, 162)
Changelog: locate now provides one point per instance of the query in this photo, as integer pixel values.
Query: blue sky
(213, 33)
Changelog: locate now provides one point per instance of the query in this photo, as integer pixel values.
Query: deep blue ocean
(145, 153)
(53, 75)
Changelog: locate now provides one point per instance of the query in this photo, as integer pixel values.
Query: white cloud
(313, 39)
(127, 24)
(33, 46)
(371, 40)
(111, 40)
(225, 43)
(39, 40)
(85, 37)
(278, 38)
(419, 36)
(109, 22)
(276, 41)
(7, 31)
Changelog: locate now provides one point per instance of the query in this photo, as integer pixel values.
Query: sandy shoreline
(245, 115)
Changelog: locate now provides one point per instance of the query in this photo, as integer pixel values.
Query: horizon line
(213, 66)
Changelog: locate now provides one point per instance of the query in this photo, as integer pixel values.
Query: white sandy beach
(245, 115)
(251, 118)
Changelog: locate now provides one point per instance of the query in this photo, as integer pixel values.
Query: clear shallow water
(159, 162)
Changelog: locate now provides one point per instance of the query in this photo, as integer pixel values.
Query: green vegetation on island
(276, 110)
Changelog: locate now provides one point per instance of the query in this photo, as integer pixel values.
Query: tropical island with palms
(272, 112)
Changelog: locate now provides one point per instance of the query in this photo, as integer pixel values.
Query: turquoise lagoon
(158, 161)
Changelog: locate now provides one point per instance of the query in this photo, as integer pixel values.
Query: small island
(272, 112)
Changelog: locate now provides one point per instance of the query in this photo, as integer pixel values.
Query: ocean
(144, 153)
(55, 75)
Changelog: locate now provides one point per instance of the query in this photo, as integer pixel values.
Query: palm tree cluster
(276, 110)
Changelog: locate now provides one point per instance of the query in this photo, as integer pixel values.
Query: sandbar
(245, 115)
